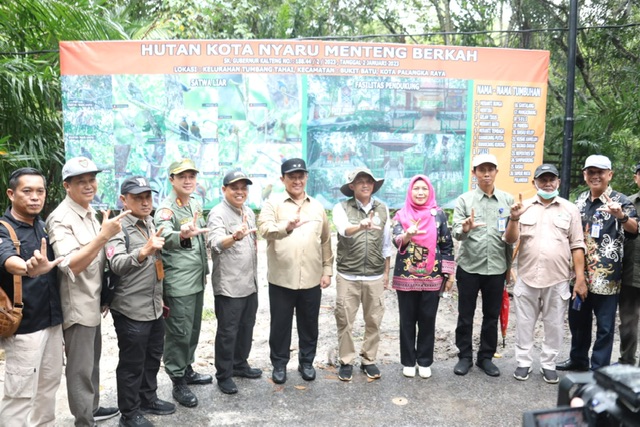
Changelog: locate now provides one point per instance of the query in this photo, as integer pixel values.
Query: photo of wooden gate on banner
(134, 107)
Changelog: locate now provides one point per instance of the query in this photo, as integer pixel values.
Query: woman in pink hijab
(424, 268)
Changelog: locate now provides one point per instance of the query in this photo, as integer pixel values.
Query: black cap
(135, 185)
(637, 168)
(545, 168)
(293, 165)
(234, 176)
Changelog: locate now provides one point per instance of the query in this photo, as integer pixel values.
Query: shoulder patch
(110, 251)
(166, 214)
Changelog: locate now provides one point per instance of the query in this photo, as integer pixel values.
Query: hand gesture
(244, 230)
(611, 207)
(517, 209)
(470, 223)
(154, 244)
(295, 221)
(111, 226)
(367, 223)
(39, 263)
(413, 230)
(191, 229)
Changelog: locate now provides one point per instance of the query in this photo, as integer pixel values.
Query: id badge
(502, 224)
(159, 270)
(595, 230)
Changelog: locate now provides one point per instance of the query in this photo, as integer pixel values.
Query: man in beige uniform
(76, 235)
(300, 264)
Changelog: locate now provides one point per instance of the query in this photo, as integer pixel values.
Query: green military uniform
(186, 267)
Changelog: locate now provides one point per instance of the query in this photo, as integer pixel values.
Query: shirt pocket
(562, 223)
(528, 225)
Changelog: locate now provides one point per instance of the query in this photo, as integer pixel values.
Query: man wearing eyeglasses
(300, 265)
(608, 217)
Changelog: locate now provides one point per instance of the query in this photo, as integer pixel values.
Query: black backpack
(110, 280)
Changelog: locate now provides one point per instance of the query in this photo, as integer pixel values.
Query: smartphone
(577, 303)
(165, 311)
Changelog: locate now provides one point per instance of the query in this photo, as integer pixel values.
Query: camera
(611, 397)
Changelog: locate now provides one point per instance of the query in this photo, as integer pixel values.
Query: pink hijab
(410, 213)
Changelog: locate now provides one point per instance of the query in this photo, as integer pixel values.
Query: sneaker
(371, 371)
(102, 414)
(158, 407)
(550, 376)
(345, 373)
(522, 373)
(424, 371)
(136, 421)
(409, 371)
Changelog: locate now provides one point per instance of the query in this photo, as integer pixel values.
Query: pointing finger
(520, 197)
(57, 261)
(122, 215)
(473, 214)
(159, 231)
(195, 219)
(43, 246)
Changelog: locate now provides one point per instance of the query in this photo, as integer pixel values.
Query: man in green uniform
(184, 258)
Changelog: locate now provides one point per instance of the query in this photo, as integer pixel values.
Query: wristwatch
(624, 219)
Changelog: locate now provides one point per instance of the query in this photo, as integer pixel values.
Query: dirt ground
(327, 346)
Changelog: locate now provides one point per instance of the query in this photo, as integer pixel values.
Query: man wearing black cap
(363, 257)
(76, 235)
(134, 255)
(234, 276)
(184, 257)
(550, 232)
(629, 309)
(300, 265)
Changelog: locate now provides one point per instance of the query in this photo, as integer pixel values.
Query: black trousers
(417, 308)
(491, 287)
(141, 345)
(236, 319)
(306, 303)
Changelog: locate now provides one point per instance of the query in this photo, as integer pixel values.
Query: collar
(11, 218)
(365, 208)
(81, 211)
(607, 192)
(480, 194)
(233, 208)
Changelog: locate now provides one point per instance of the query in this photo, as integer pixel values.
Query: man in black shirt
(34, 353)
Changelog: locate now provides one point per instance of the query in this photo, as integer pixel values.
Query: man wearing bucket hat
(629, 309)
(136, 308)
(234, 276)
(550, 232)
(300, 265)
(479, 221)
(608, 218)
(76, 235)
(363, 256)
(184, 257)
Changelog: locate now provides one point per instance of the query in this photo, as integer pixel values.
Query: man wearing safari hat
(551, 248)
(184, 257)
(76, 235)
(479, 221)
(300, 265)
(136, 309)
(364, 251)
(234, 276)
(608, 218)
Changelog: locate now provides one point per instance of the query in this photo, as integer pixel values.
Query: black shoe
(345, 373)
(488, 367)
(227, 386)
(184, 396)
(102, 414)
(570, 365)
(307, 371)
(158, 407)
(463, 366)
(136, 421)
(192, 377)
(371, 371)
(279, 375)
(248, 373)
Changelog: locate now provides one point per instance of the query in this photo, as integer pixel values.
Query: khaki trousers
(32, 377)
(350, 294)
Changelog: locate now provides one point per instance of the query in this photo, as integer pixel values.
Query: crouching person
(134, 255)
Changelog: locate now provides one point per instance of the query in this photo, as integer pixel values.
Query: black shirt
(40, 295)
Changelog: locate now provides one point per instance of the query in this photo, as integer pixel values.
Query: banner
(134, 107)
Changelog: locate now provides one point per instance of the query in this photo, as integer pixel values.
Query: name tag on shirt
(502, 224)
(595, 230)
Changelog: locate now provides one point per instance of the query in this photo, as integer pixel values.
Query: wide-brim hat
(347, 191)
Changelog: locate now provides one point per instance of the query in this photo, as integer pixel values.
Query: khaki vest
(361, 254)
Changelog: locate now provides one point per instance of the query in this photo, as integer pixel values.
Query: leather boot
(192, 377)
(182, 394)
